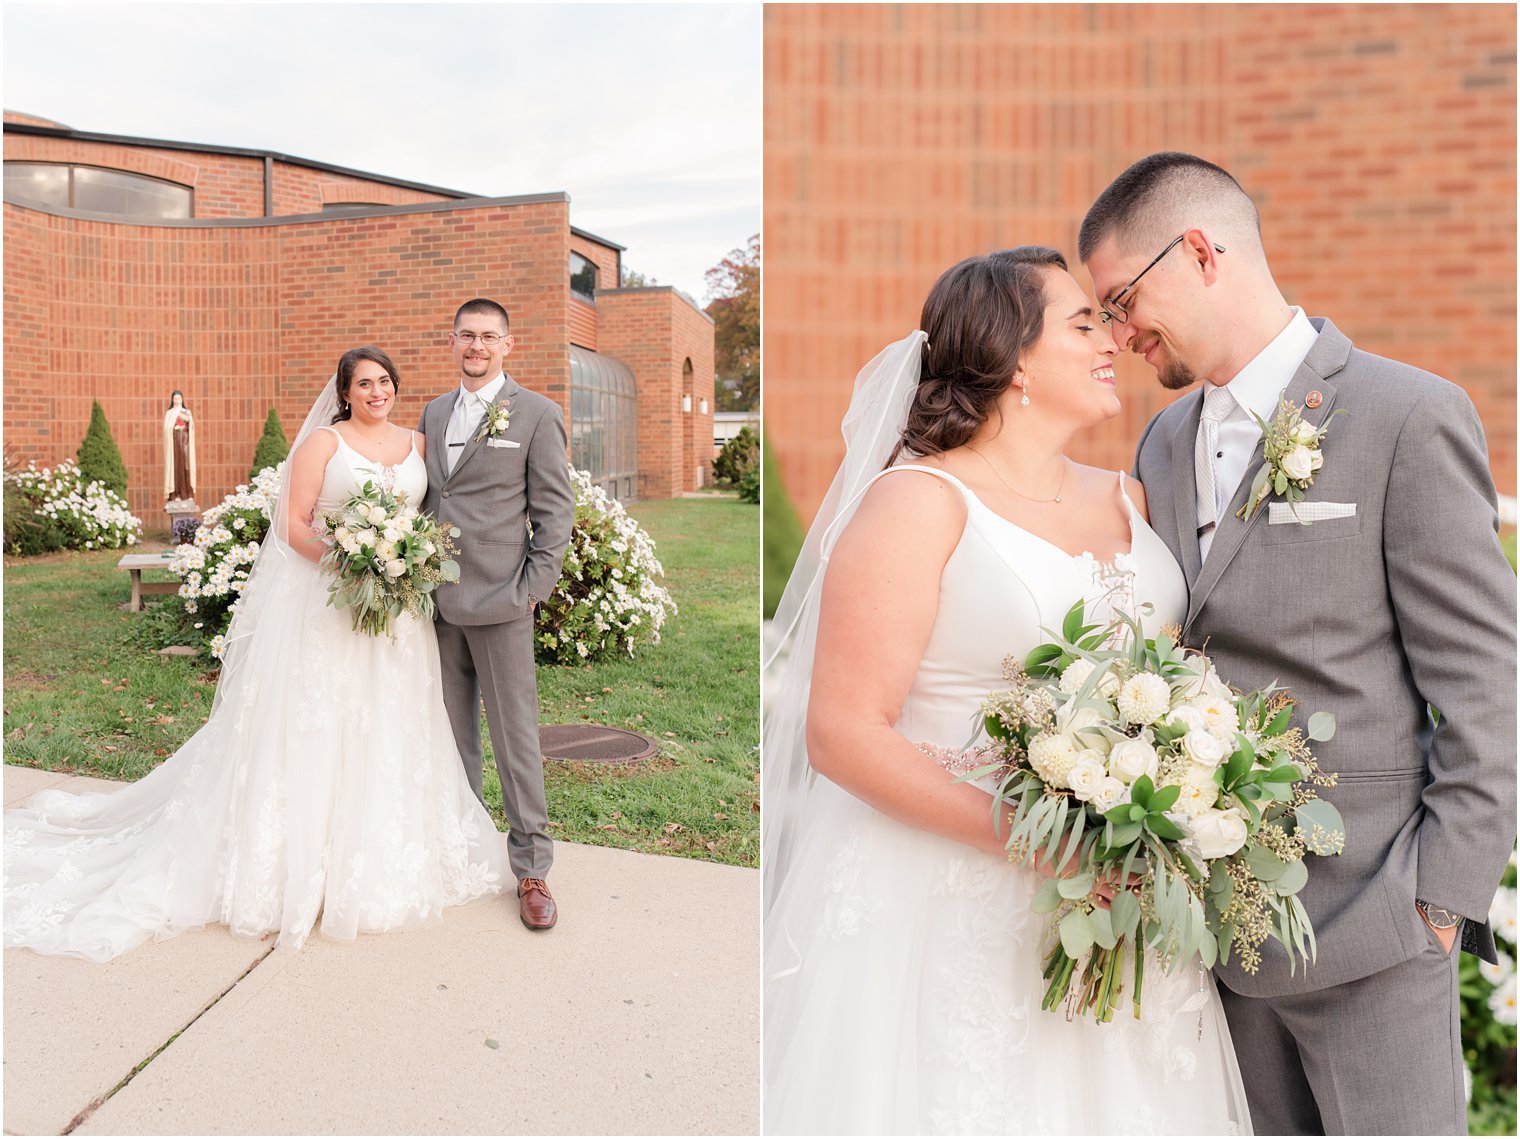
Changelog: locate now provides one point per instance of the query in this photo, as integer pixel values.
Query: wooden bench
(135, 564)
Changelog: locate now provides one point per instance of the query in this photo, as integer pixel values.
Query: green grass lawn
(81, 695)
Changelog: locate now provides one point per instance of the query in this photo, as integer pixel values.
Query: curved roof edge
(346, 214)
(235, 151)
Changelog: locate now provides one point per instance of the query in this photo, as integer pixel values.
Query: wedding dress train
(325, 783)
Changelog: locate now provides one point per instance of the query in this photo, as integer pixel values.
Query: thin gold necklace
(379, 443)
(1059, 486)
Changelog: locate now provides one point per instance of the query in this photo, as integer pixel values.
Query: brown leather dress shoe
(535, 904)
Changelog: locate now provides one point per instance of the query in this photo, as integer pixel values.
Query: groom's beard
(1174, 374)
(475, 368)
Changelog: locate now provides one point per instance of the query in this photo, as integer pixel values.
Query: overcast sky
(648, 115)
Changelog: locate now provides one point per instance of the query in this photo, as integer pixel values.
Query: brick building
(1378, 142)
(134, 267)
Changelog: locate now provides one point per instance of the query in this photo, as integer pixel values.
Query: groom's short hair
(485, 307)
(1163, 195)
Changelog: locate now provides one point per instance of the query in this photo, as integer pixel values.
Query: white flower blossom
(1144, 698)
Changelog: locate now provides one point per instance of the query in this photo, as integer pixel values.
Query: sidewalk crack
(96, 1104)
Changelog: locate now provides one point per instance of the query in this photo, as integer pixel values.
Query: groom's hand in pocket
(1447, 937)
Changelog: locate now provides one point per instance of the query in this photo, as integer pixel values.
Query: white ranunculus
(1304, 433)
(1298, 463)
(1204, 748)
(1197, 796)
(1076, 675)
(386, 551)
(1144, 698)
(1131, 759)
(1218, 833)
(1110, 793)
(395, 568)
(1086, 776)
(1221, 719)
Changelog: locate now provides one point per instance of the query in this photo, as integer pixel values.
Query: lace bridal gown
(326, 782)
(903, 970)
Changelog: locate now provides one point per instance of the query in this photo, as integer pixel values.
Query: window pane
(43, 182)
(128, 195)
(582, 277)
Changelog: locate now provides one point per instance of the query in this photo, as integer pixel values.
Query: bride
(326, 780)
(902, 961)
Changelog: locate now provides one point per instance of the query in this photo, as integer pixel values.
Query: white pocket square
(502, 443)
(1301, 512)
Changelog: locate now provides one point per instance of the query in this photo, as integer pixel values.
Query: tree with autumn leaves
(734, 285)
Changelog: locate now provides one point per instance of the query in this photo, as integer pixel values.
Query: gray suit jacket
(1408, 601)
(493, 494)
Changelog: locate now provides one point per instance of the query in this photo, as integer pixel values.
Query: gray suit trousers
(498, 660)
(1304, 1058)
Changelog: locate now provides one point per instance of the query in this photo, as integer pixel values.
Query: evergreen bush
(272, 447)
(99, 457)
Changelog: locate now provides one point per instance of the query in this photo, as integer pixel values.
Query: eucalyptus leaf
(1077, 886)
(1320, 826)
(1102, 928)
(1322, 726)
(1076, 933)
(1124, 913)
(1292, 879)
(1264, 864)
(1047, 899)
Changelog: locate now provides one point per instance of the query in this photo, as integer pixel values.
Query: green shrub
(737, 456)
(782, 531)
(749, 485)
(55, 509)
(99, 457)
(272, 447)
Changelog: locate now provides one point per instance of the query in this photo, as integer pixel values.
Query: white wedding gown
(326, 782)
(903, 970)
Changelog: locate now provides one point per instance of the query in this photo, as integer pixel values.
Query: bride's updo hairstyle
(346, 367)
(980, 318)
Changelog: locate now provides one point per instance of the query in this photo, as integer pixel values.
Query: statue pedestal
(177, 508)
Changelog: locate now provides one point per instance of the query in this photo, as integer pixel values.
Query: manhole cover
(593, 743)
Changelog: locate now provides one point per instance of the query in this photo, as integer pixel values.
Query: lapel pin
(1313, 399)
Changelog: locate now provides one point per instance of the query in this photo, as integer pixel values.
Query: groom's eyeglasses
(489, 339)
(1115, 309)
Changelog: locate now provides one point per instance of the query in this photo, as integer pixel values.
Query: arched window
(583, 277)
(96, 190)
(604, 421)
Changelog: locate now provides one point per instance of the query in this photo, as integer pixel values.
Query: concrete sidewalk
(637, 1014)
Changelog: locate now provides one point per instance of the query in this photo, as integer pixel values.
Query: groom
(497, 462)
(1394, 599)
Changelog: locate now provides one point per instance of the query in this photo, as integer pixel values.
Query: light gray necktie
(459, 429)
(1217, 405)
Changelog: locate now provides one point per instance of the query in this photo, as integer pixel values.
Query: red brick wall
(1378, 141)
(242, 318)
(582, 323)
(226, 186)
(655, 332)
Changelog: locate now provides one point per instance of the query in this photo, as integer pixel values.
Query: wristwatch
(1437, 917)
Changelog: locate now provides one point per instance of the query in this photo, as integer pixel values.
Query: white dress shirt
(469, 410)
(1256, 388)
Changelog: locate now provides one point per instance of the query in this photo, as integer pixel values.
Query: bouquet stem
(1100, 981)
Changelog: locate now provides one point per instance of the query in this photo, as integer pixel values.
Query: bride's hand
(1102, 893)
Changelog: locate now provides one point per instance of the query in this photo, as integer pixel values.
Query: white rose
(1189, 717)
(1298, 463)
(1085, 777)
(1218, 833)
(1131, 759)
(395, 568)
(367, 538)
(391, 533)
(1316, 459)
(1144, 698)
(350, 544)
(1110, 793)
(375, 515)
(1304, 433)
(1204, 748)
(1073, 719)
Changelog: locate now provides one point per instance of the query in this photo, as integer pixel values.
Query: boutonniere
(498, 419)
(1291, 449)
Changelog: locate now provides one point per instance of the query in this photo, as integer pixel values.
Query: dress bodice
(348, 470)
(1005, 590)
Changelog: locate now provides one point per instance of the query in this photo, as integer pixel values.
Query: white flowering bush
(1488, 1000)
(609, 598)
(55, 509)
(213, 566)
